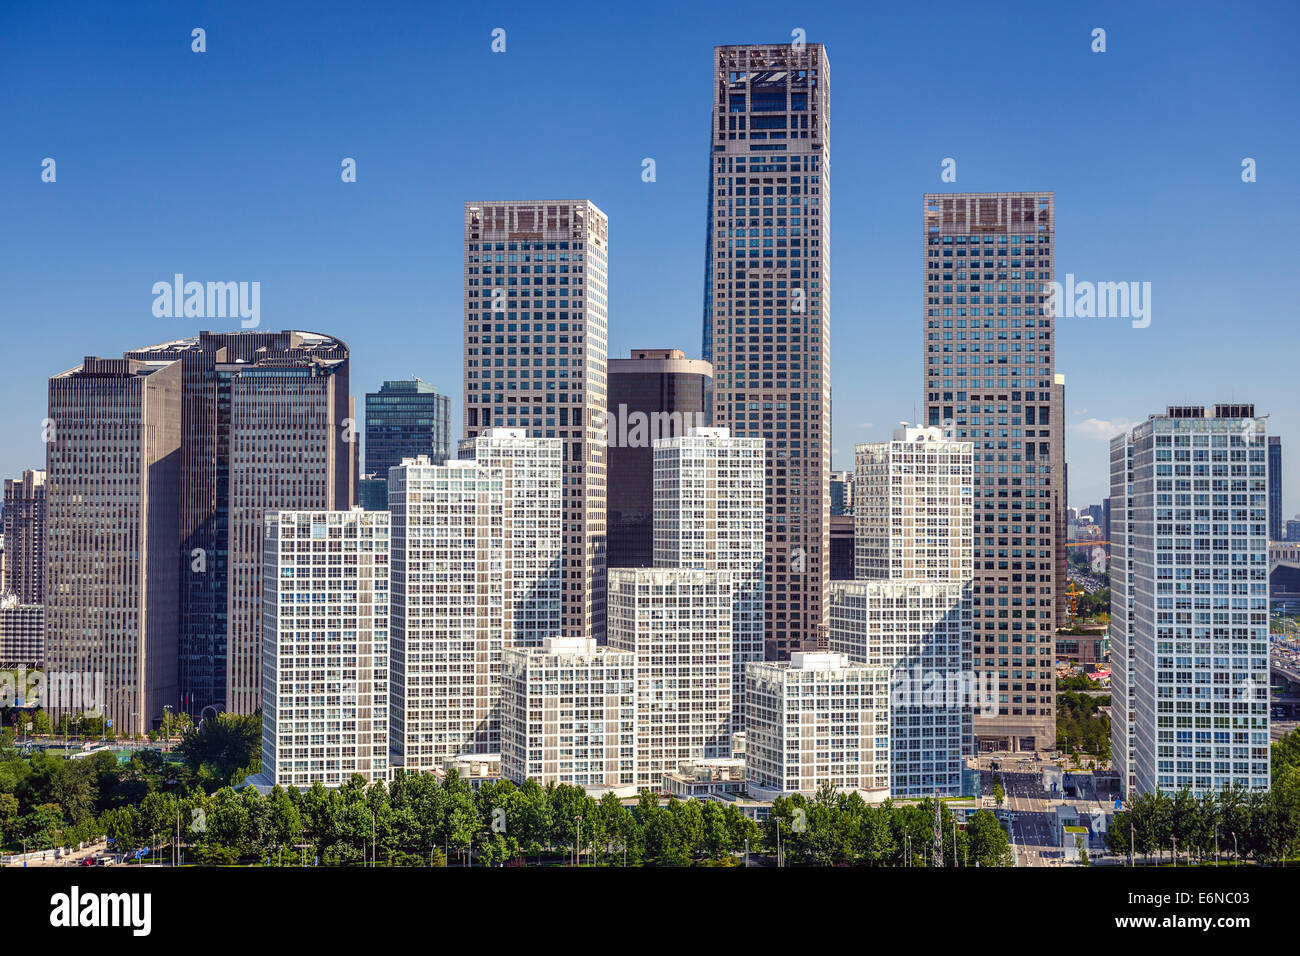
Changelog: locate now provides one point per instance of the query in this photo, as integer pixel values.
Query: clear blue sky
(225, 166)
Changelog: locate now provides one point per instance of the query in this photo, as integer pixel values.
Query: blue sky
(225, 166)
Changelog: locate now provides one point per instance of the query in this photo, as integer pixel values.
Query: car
(89, 861)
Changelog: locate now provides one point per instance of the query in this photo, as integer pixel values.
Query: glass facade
(404, 419)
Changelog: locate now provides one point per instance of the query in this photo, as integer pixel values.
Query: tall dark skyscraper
(767, 307)
(657, 393)
(266, 422)
(988, 358)
(404, 419)
(1276, 531)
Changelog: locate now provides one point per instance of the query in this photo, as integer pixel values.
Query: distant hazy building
(24, 537)
(325, 650)
(1275, 527)
(709, 495)
(266, 422)
(1293, 529)
(568, 714)
(532, 526)
(841, 493)
(677, 624)
(657, 393)
(448, 599)
(112, 479)
(22, 633)
(536, 345)
(818, 719)
(404, 419)
(1189, 601)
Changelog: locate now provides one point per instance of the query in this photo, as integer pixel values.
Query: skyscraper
(1190, 611)
(448, 596)
(536, 342)
(708, 515)
(112, 479)
(404, 419)
(24, 537)
(767, 307)
(657, 393)
(1276, 530)
(532, 529)
(325, 656)
(988, 357)
(266, 422)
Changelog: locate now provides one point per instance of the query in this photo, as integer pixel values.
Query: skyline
(264, 146)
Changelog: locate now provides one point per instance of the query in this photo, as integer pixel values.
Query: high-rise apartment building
(677, 624)
(914, 629)
(767, 307)
(1190, 613)
(325, 651)
(1276, 530)
(657, 393)
(405, 418)
(24, 537)
(532, 529)
(910, 608)
(818, 719)
(708, 515)
(988, 354)
(266, 423)
(568, 714)
(448, 617)
(912, 508)
(112, 478)
(536, 343)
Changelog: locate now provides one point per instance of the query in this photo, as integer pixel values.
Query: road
(1032, 812)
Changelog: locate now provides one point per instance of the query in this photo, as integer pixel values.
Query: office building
(1189, 601)
(404, 419)
(325, 651)
(841, 493)
(372, 492)
(818, 719)
(677, 624)
(767, 307)
(448, 598)
(536, 343)
(532, 529)
(24, 537)
(1275, 527)
(568, 714)
(842, 544)
(111, 607)
(989, 375)
(266, 423)
(656, 393)
(708, 515)
(22, 633)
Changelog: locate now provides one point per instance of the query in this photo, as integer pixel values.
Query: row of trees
(1232, 824)
(421, 820)
(1080, 728)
